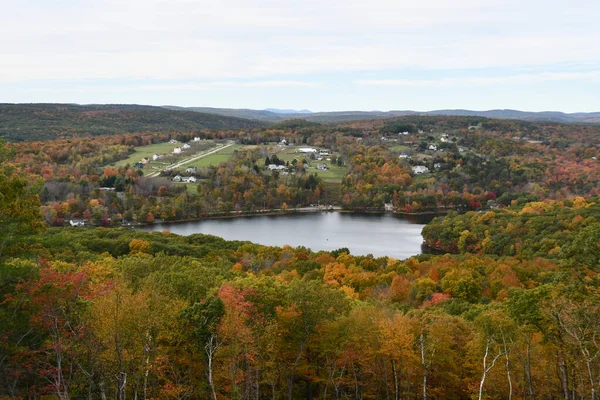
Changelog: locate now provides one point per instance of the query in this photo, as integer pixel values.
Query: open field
(288, 153)
(215, 158)
(165, 149)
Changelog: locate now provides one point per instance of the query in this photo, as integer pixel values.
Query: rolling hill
(272, 115)
(23, 122)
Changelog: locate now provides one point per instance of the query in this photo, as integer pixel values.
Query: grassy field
(214, 159)
(161, 148)
(333, 175)
(399, 147)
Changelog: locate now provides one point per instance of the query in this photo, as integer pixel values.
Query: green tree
(19, 204)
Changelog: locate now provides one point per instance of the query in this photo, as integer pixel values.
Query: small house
(191, 170)
(196, 139)
(185, 146)
(177, 178)
(307, 150)
(420, 169)
(77, 222)
(189, 179)
(322, 167)
(433, 147)
(155, 157)
(173, 141)
(177, 150)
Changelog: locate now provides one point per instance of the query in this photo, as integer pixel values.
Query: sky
(321, 55)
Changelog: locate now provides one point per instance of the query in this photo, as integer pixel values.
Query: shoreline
(241, 214)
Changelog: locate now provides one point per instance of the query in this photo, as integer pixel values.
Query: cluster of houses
(184, 179)
(187, 179)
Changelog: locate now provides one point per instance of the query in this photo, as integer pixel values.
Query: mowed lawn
(165, 149)
(215, 158)
(146, 151)
(333, 174)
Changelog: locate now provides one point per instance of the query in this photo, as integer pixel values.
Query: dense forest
(510, 308)
(22, 122)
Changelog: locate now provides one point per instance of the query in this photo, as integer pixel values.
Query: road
(190, 159)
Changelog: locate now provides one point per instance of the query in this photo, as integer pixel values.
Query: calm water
(380, 234)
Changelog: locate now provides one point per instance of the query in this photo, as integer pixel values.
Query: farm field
(165, 149)
(214, 159)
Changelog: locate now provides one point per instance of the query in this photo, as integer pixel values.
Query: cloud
(521, 79)
(202, 86)
(230, 39)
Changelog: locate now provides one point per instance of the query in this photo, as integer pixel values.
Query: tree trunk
(211, 348)
(395, 372)
(423, 364)
(487, 368)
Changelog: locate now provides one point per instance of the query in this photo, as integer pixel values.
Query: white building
(173, 141)
(177, 178)
(177, 150)
(196, 139)
(186, 146)
(433, 147)
(189, 179)
(155, 157)
(306, 150)
(275, 167)
(420, 169)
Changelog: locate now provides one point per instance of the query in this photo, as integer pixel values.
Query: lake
(377, 234)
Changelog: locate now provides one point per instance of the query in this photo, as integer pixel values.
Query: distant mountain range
(19, 122)
(276, 115)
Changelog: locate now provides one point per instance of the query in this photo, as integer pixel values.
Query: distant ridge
(275, 115)
(278, 111)
(22, 122)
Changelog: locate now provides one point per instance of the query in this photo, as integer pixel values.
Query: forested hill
(24, 122)
(341, 116)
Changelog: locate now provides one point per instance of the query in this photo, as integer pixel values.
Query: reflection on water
(376, 234)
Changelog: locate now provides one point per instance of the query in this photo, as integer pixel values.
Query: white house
(324, 152)
(420, 169)
(177, 178)
(186, 146)
(191, 170)
(155, 157)
(433, 147)
(437, 165)
(275, 167)
(403, 156)
(306, 150)
(77, 222)
(283, 142)
(322, 167)
(173, 141)
(177, 150)
(196, 139)
(189, 179)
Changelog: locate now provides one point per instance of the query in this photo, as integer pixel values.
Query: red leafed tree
(54, 302)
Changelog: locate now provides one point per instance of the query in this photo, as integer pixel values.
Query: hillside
(23, 122)
(341, 116)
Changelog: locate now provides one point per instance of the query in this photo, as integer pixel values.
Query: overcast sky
(320, 55)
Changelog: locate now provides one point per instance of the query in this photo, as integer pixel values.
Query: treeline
(526, 230)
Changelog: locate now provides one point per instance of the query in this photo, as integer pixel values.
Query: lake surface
(377, 234)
